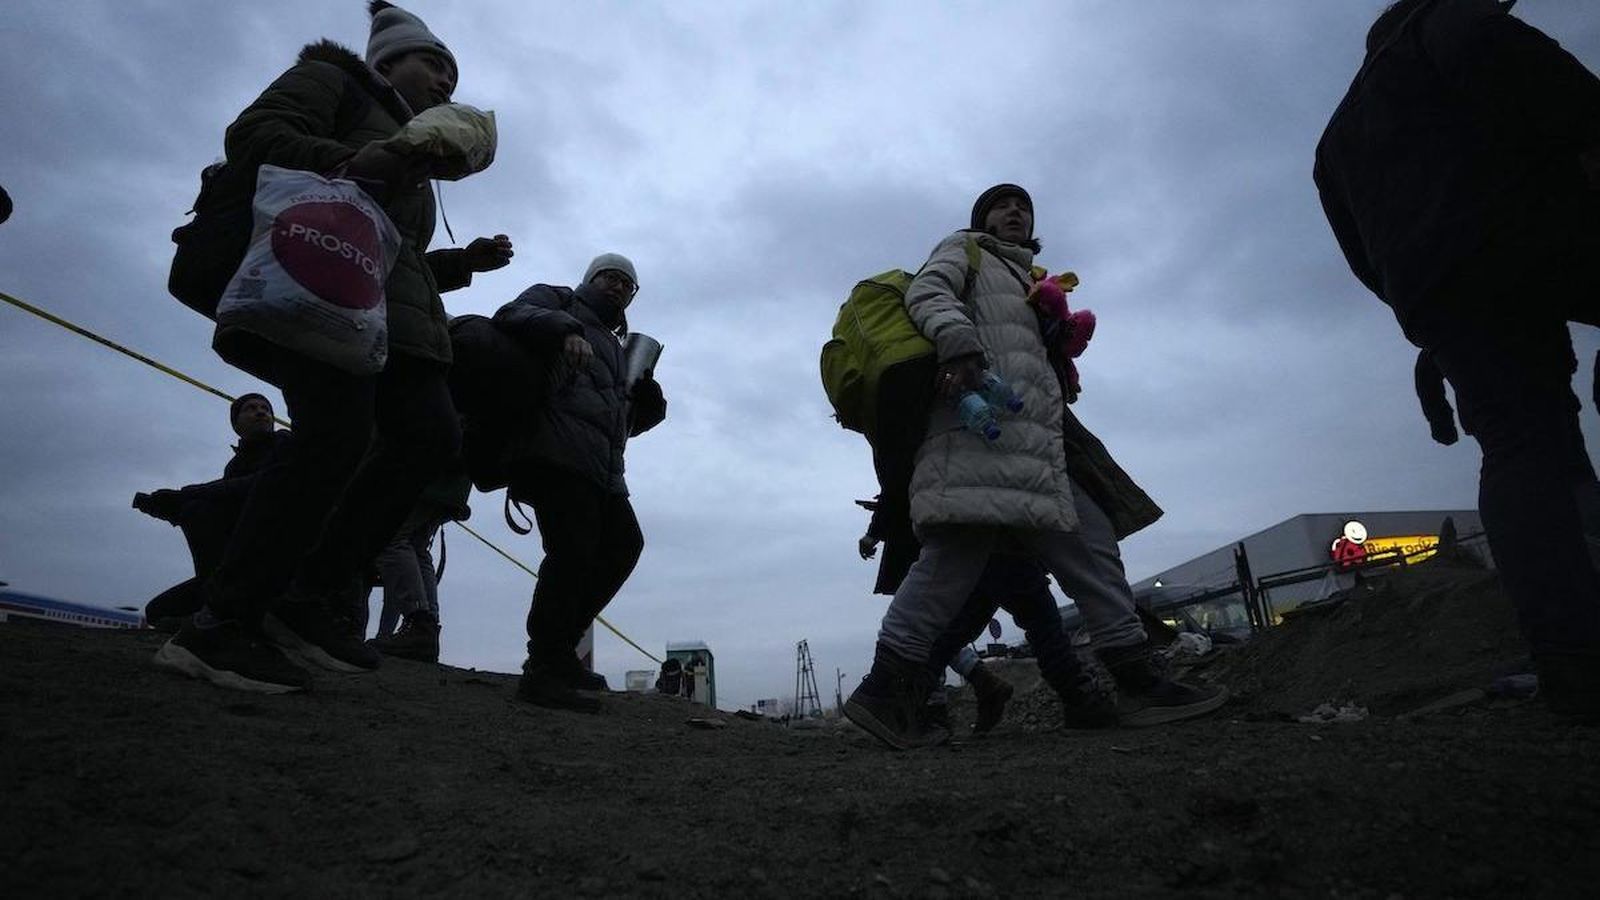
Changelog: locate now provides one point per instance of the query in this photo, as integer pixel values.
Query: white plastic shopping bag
(312, 279)
(458, 140)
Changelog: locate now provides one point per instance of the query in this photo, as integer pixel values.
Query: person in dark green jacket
(318, 516)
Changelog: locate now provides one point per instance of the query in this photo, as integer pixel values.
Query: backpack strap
(527, 526)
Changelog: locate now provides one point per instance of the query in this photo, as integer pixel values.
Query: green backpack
(872, 334)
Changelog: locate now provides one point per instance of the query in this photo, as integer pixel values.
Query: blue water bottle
(999, 393)
(977, 416)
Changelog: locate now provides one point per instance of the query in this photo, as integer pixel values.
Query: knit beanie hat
(988, 199)
(615, 261)
(233, 410)
(5, 205)
(396, 32)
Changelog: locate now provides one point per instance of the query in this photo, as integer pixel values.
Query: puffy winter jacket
(584, 426)
(1019, 480)
(292, 125)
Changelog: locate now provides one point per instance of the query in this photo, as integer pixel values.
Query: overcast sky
(755, 160)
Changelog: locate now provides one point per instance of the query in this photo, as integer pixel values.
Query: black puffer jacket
(584, 428)
(1462, 132)
(296, 124)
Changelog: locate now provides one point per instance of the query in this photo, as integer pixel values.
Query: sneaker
(1149, 697)
(544, 686)
(416, 639)
(889, 704)
(228, 656)
(993, 693)
(309, 631)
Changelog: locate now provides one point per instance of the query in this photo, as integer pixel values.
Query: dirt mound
(1391, 645)
(427, 780)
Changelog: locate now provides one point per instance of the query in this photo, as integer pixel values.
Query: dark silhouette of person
(207, 513)
(1459, 176)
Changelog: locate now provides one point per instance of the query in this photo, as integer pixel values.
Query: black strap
(438, 574)
(527, 527)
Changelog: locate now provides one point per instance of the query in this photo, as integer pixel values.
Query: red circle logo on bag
(332, 249)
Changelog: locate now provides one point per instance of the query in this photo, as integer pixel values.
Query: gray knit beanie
(396, 32)
(610, 261)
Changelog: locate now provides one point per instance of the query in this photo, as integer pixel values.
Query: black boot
(1083, 705)
(578, 678)
(888, 704)
(1149, 697)
(993, 693)
(545, 685)
(417, 638)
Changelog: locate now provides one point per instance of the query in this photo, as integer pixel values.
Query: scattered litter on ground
(1327, 714)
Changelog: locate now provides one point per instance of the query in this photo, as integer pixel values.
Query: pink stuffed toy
(1066, 332)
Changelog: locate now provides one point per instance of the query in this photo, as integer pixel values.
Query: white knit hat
(607, 261)
(396, 32)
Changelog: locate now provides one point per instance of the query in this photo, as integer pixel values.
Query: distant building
(15, 604)
(1322, 550)
(699, 670)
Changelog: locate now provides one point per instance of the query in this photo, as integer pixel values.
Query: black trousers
(1512, 375)
(591, 544)
(322, 509)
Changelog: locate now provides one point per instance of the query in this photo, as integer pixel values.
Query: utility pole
(838, 691)
(806, 701)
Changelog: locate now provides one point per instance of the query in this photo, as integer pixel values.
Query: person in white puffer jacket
(967, 493)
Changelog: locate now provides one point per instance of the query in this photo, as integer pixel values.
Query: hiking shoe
(311, 632)
(228, 656)
(1148, 696)
(416, 639)
(889, 704)
(543, 685)
(993, 693)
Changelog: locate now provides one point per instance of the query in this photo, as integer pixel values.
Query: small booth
(699, 670)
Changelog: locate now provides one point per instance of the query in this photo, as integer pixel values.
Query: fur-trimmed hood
(334, 53)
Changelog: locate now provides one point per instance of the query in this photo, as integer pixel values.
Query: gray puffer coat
(1021, 479)
(584, 426)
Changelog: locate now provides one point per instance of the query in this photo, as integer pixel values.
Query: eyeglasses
(618, 279)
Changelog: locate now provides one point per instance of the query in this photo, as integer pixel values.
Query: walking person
(569, 467)
(292, 572)
(1459, 175)
(406, 571)
(967, 494)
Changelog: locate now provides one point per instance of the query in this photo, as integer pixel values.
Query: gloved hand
(166, 505)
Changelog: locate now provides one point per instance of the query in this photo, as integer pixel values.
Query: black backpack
(213, 244)
(498, 384)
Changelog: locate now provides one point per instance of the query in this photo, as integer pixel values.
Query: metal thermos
(639, 355)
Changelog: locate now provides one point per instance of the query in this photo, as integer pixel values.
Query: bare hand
(487, 254)
(867, 546)
(576, 351)
(959, 376)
